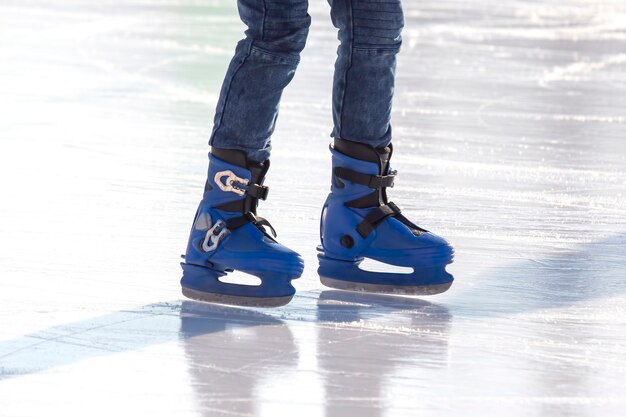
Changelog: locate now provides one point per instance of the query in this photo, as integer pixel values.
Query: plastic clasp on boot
(214, 236)
(227, 185)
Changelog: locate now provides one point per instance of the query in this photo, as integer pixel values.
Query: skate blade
(386, 289)
(236, 300)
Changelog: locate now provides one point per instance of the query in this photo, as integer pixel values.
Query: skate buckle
(214, 236)
(231, 179)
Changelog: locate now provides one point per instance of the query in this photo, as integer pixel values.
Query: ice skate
(359, 222)
(228, 236)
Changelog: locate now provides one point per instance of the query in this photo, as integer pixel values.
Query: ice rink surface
(510, 135)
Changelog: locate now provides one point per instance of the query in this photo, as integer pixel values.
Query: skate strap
(374, 217)
(257, 191)
(260, 221)
(235, 222)
(253, 192)
(371, 181)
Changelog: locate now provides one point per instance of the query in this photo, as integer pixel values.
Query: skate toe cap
(395, 235)
(430, 239)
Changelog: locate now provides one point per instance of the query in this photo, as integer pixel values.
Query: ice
(509, 132)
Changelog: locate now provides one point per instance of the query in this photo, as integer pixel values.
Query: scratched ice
(510, 128)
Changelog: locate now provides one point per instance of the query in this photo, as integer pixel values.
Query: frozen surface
(510, 133)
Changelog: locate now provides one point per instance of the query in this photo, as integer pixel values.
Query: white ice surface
(510, 130)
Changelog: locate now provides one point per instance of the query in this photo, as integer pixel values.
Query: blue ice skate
(359, 222)
(228, 236)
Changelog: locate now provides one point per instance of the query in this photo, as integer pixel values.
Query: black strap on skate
(372, 181)
(253, 192)
(257, 191)
(235, 222)
(246, 207)
(374, 217)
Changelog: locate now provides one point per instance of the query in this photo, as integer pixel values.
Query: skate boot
(228, 236)
(359, 222)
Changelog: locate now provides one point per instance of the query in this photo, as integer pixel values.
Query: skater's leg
(265, 61)
(227, 235)
(358, 220)
(370, 39)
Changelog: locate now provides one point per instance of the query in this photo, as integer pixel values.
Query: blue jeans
(266, 59)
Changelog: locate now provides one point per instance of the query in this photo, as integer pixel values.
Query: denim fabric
(266, 59)
(363, 84)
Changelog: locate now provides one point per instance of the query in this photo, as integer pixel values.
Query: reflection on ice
(227, 368)
(364, 340)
